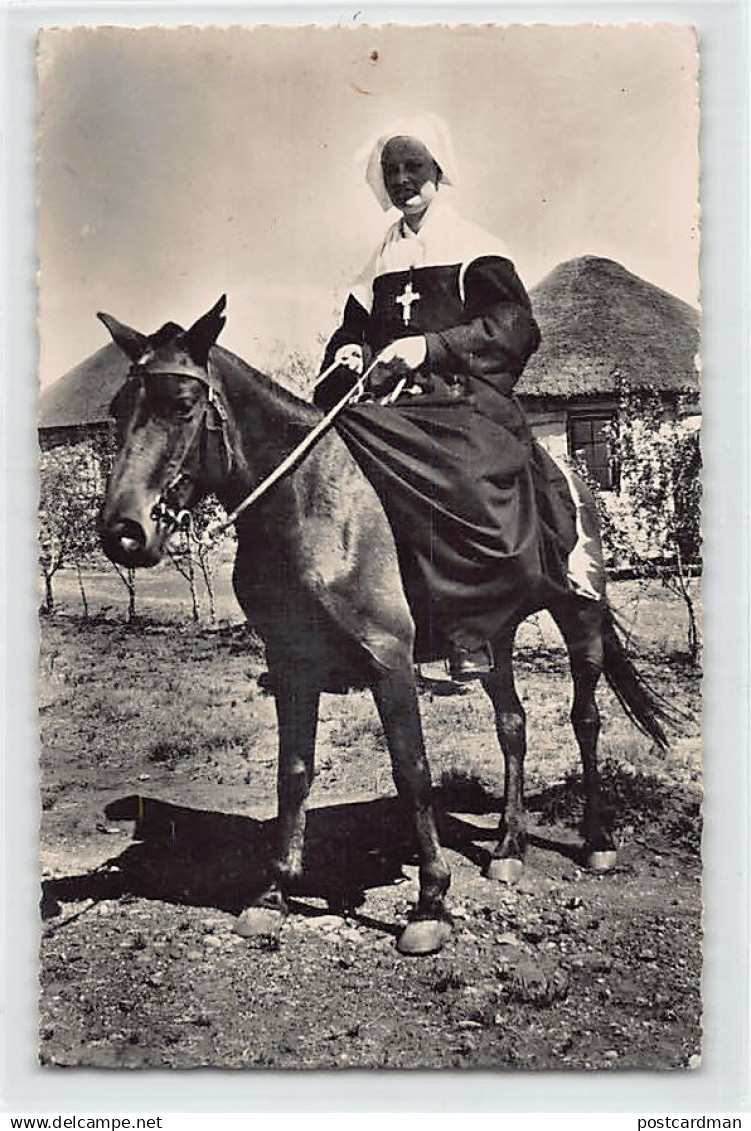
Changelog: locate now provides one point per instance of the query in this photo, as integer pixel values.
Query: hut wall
(549, 429)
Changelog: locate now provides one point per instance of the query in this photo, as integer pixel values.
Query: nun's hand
(398, 360)
(404, 353)
(350, 356)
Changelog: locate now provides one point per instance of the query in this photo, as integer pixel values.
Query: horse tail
(646, 709)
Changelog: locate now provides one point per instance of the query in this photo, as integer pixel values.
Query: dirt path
(158, 771)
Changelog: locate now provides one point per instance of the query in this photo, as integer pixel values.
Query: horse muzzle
(134, 531)
(127, 543)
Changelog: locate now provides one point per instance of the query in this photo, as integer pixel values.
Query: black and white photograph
(370, 547)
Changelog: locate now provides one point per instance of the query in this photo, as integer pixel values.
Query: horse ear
(201, 336)
(130, 341)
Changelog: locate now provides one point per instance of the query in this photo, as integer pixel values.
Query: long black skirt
(483, 520)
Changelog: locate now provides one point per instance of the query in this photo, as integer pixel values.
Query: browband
(176, 368)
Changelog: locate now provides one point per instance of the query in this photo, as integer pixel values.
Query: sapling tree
(194, 556)
(653, 524)
(68, 506)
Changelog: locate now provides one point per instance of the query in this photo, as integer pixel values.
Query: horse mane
(276, 398)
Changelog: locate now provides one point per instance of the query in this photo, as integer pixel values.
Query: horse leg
(396, 699)
(507, 859)
(297, 718)
(581, 625)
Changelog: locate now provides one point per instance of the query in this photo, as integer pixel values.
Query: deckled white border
(722, 1084)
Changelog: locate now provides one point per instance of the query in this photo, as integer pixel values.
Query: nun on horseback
(442, 326)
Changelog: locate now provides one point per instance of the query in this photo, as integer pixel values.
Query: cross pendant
(405, 300)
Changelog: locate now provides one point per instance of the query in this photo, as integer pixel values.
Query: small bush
(466, 792)
(169, 752)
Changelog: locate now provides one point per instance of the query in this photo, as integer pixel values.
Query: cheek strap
(217, 457)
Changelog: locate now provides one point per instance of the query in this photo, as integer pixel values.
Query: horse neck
(265, 421)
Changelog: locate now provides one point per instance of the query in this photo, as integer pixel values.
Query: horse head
(172, 444)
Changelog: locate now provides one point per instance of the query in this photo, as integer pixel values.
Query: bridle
(210, 431)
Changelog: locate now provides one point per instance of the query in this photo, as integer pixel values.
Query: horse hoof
(507, 870)
(603, 860)
(424, 936)
(261, 923)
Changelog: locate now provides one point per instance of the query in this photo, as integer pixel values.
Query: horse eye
(164, 402)
(181, 406)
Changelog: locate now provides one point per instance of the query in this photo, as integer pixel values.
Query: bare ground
(158, 767)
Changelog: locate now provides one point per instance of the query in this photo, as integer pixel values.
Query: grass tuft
(450, 979)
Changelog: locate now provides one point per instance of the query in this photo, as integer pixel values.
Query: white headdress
(427, 128)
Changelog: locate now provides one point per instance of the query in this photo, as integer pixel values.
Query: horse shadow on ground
(209, 859)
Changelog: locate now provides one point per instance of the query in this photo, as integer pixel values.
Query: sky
(177, 164)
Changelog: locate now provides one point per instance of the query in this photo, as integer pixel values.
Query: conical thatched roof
(600, 323)
(83, 394)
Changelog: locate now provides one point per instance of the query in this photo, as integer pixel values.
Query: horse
(317, 575)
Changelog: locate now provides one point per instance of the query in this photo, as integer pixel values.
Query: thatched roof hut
(81, 397)
(601, 325)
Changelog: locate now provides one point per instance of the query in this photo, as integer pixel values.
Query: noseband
(211, 431)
